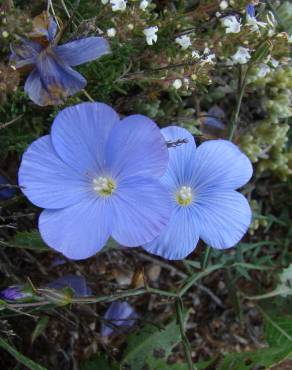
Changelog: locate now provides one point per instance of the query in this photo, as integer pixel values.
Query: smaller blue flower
(201, 182)
(97, 176)
(14, 292)
(121, 317)
(75, 282)
(51, 78)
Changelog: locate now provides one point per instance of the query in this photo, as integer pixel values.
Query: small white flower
(218, 14)
(274, 62)
(177, 84)
(186, 83)
(195, 54)
(223, 5)
(210, 59)
(144, 4)
(104, 2)
(206, 51)
(118, 5)
(254, 24)
(263, 70)
(242, 56)
(231, 24)
(111, 32)
(150, 34)
(184, 41)
(290, 38)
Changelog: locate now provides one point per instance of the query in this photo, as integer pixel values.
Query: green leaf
(279, 330)
(251, 360)
(20, 357)
(151, 344)
(29, 240)
(97, 362)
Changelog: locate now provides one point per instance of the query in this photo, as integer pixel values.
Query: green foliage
(29, 240)
(20, 357)
(150, 344)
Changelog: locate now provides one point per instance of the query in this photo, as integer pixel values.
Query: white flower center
(104, 186)
(184, 196)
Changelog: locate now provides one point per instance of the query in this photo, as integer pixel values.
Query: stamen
(184, 196)
(104, 186)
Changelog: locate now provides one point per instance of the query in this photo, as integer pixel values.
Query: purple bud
(75, 282)
(14, 293)
(121, 315)
(250, 9)
(6, 191)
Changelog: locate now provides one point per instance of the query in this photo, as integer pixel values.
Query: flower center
(184, 196)
(104, 186)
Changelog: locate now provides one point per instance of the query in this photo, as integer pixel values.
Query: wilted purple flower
(6, 191)
(120, 315)
(75, 282)
(202, 185)
(14, 293)
(97, 176)
(52, 79)
(212, 125)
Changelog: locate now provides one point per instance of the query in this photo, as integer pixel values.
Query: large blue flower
(202, 185)
(51, 78)
(97, 176)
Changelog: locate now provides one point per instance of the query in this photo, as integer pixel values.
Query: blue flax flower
(51, 78)
(14, 292)
(202, 183)
(121, 316)
(97, 176)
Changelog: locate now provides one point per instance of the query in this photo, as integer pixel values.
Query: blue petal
(52, 29)
(220, 164)
(178, 170)
(121, 315)
(80, 133)
(57, 79)
(142, 210)
(24, 54)
(81, 51)
(136, 148)
(47, 181)
(78, 231)
(180, 237)
(223, 217)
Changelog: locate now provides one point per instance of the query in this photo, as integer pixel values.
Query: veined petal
(56, 79)
(223, 217)
(78, 231)
(179, 238)
(179, 169)
(80, 133)
(24, 54)
(220, 164)
(47, 181)
(83, 50)
(142, 210)
(136, 148)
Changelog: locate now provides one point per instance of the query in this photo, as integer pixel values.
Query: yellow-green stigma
(104, 186)
(184, 196)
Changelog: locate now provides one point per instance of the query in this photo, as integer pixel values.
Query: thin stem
(241, 89)
(206, 257)
(191, 281)
(87, 95)
(184, 338)
(6, 124)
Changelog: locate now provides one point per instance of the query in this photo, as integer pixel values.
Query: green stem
(184, 338)
(235, 116)
(206, 257)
